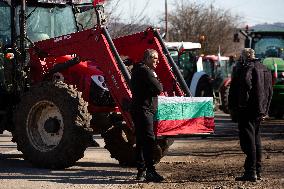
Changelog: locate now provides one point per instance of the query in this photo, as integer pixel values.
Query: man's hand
(263, 118)
(164, 94)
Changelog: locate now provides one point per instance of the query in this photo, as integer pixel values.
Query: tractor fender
(225, 84)
(196, 77)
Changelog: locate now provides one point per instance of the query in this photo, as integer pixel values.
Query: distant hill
(269, 27)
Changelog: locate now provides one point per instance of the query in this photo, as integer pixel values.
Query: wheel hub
(52, 125)
(45, 126)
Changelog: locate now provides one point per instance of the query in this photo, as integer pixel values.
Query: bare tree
(137, 20)
(203, 23)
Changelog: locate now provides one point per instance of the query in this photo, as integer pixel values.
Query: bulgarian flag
(184, 116)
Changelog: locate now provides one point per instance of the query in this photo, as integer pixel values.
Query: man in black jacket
(250, 95)
(145, 89)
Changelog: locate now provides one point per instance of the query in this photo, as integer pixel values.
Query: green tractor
(269, 47)
(276, 65)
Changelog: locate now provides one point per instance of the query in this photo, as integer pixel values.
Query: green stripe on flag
(184, 109)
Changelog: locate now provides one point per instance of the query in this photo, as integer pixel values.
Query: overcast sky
(253, 11)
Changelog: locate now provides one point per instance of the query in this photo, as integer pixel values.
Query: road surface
(195, 162)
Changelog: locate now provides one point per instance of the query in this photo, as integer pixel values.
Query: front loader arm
(96, 46)
(133, 47)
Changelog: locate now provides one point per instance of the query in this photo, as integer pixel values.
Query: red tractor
(43, 57)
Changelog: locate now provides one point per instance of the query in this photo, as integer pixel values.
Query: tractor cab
(5, 24)
(269, 48)
(43, 19)
(268, 44)
(218, 68)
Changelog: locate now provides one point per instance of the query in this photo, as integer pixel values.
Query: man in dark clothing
(145, 89)
(250, 95)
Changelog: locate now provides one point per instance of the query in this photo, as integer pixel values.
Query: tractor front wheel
(52, 125)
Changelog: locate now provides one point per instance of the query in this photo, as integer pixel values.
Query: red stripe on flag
(185, 127)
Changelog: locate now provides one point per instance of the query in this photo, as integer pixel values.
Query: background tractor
(219, 69)
(60, 85)
(268, 44)
(187, 57)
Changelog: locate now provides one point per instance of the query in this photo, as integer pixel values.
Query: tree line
(188, 21)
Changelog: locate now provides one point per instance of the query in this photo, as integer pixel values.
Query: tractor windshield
(269, 46)
(187, 62)
(85, 16)
(48, 22)
(174, 54)
(5, 23)
(217, 68)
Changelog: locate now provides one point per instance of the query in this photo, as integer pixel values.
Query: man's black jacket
(251, 89)
(145, 87)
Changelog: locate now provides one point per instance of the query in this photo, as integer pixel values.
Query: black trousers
(250, 142)
(145, 138)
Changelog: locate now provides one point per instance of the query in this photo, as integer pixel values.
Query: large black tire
(120, 145)
(162, 148)
(120, 142)
(204, 87)
(52, 125)
(225, 99)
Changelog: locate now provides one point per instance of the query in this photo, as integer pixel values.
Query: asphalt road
(98, 170)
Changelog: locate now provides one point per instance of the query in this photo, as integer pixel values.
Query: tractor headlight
(100, 81)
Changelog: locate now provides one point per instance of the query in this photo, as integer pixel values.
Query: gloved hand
(263, 118)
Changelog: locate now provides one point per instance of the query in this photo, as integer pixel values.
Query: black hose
(120, 63)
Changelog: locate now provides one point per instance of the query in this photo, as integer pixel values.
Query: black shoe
(141, 175)
(93, 143)
(153, 176)
(247, 177)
